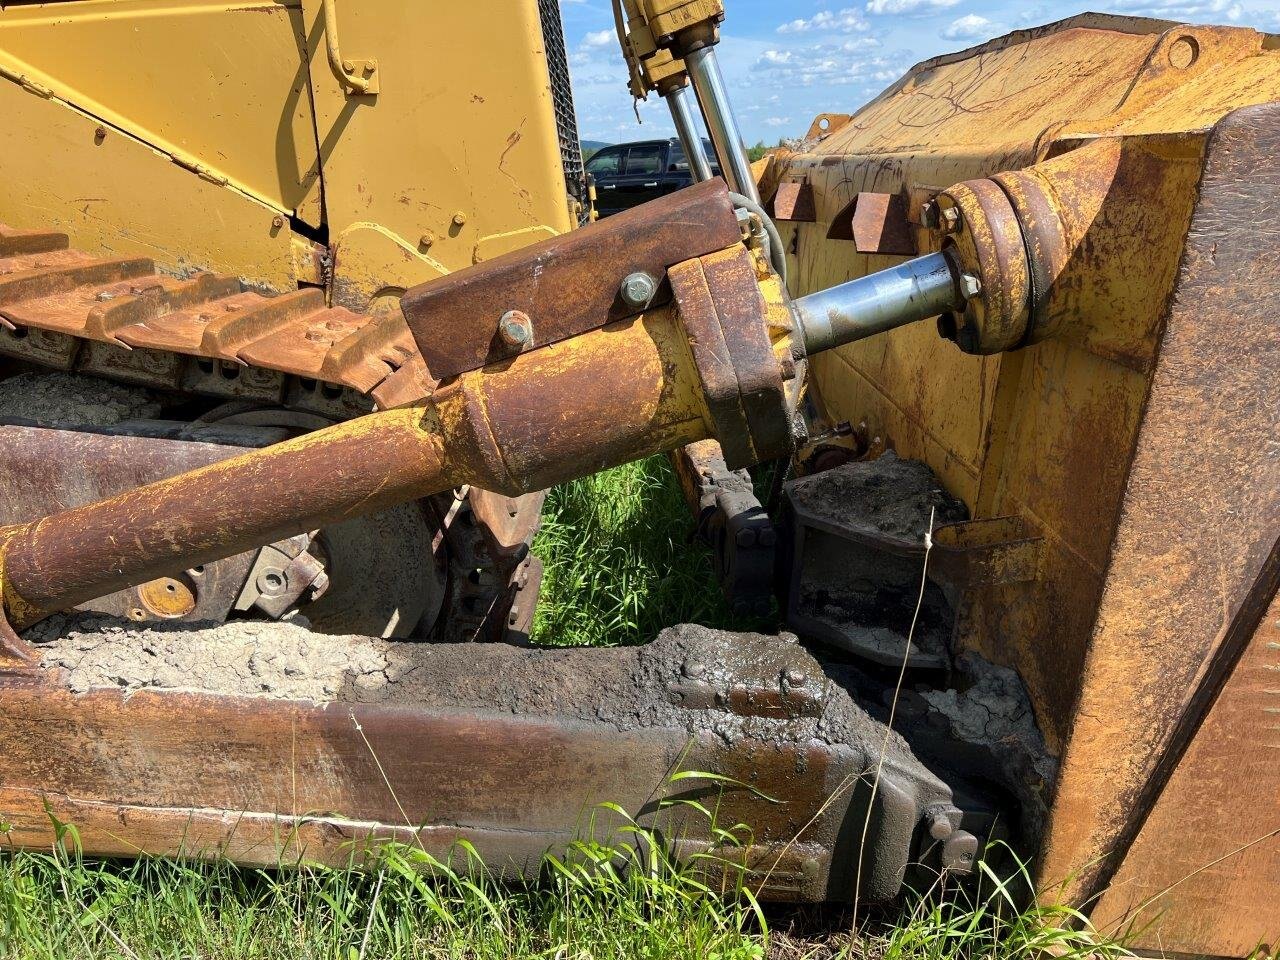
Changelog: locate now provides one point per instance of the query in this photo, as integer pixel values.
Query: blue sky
(788, 60)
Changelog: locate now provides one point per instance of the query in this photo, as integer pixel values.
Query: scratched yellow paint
(1113, 116)
(200, 132)
(464, 125)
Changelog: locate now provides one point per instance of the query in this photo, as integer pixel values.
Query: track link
(207, 334)
(121, 319)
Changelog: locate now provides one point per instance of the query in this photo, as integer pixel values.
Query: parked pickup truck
(627, 174)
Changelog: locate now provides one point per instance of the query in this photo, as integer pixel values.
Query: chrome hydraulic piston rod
(713, 98)
(924, 287)
(687, 131)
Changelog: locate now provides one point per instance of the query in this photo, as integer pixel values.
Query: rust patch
(59, 305)
(794, 202)
(876, 223)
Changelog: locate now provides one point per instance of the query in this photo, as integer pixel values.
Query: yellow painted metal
(1039, 91)
(112, 194)
(217, 86)
(372, 264)
(221, 121)
(357, 76)
(459, 148)
(1109, 118)
(668, 17)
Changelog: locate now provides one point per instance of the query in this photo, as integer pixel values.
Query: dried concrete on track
(73, 400)
(627, 688)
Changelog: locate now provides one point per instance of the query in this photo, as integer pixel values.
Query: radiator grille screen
(562, 97)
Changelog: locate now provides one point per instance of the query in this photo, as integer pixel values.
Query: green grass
(620, 568)
(622, 898)
(619, 562)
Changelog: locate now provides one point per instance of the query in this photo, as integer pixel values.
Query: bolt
(949, 220)
(788, 369)
(929, 214)
(348, 66)
(459, 218)
(959, 852)
(272, 581)
(970, 285)
(99, 135)
(516, 329)
(638, 289)
(277, 222)
(426, 240)
(795, 677)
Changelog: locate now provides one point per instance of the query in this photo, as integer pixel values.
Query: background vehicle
(305, 341)
(628, 174)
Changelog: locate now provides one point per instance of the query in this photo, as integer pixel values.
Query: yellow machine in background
(335, 152)
(227, 137)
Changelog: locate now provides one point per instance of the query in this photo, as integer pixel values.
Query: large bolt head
(970, 285)
(638, 290)
(516, 329)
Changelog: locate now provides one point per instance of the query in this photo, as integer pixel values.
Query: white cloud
(970, 27)
(909, 7)
(776, 121)
(824, 65)
(1201, 10)
(597, 39)
(859, 43)
(843, 21)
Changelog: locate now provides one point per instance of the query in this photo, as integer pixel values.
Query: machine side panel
(456, 159)
(220, 85)
(117, 196)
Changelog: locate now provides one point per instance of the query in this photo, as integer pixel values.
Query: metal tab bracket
(359, 77)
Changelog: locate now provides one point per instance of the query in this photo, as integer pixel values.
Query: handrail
(358, 76)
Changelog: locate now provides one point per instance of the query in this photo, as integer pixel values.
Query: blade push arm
(712, 354)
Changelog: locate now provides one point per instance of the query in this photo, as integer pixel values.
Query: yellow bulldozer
(302, 307)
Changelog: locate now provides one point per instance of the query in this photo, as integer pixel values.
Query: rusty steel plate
(512, 749)
(567, 285)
